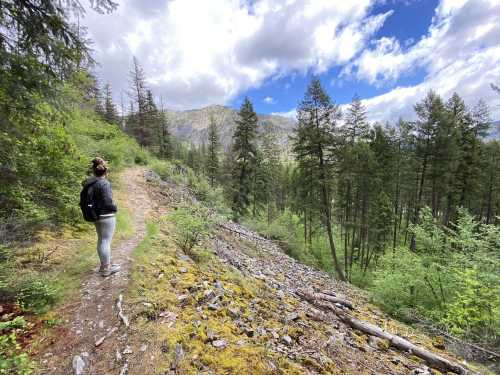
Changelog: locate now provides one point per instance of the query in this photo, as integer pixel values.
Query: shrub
(475, 307)
(37, 295)
(12, 361)
(285, 229)
(452, 278)
(406, 282)
(193, 223)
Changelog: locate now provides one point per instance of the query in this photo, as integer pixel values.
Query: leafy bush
(193, 223)
(12, 361)
(475, 306)
(406, 282)
(37, 295)
(452, 277)
(180, 174)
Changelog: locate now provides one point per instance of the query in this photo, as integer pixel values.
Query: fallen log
(334, 299)
(434, 360)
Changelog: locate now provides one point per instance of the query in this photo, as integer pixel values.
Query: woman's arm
(107, 197)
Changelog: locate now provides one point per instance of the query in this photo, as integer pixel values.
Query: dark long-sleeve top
(103, 196)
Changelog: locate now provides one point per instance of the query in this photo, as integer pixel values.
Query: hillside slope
(192, 125)
(234, 305)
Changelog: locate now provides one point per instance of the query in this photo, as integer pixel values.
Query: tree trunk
(413, 244)
(328, 218)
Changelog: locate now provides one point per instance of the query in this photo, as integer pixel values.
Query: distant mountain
(192, 125)
(495, 130)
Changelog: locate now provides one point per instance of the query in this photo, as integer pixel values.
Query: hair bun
(99, 166)
(98, 162)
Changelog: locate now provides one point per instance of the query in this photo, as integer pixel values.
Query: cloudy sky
(389, 52)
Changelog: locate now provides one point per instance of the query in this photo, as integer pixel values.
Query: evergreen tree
(245, 151)
(96, 98)
(259, 182)
(151, 121)
(110, 112)
(164, 136)
(212, 163)
(431, 116)
(138, 95)
(314, 145)
(490, 177)
(270, 169)
(355, 123)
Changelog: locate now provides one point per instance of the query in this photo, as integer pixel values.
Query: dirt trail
(96, 316)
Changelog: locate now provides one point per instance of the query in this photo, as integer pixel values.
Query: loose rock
(220, 344)
(78, 365)
(287, 340)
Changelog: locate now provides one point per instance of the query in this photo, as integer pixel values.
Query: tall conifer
(245, 151)
(314, 144)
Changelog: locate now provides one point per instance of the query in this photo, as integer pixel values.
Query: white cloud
(197, 53)
(461, 53)
(269, 100)
(470, 78)
(291, 114)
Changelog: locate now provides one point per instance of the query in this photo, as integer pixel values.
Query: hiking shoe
(114, 268)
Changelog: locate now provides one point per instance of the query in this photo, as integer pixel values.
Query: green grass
(144, 246)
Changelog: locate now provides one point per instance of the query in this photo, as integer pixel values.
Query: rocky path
(88, 343)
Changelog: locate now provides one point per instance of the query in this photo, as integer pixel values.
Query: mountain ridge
(192, 125)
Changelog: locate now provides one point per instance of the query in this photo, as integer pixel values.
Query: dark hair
(99, 167)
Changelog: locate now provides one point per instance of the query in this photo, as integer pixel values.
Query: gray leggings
(105, 228)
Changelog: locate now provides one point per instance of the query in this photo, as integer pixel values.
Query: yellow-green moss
(243, 354)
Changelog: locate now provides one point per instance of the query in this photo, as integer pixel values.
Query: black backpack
(87, 203)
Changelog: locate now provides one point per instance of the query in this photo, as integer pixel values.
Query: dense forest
(408, 210)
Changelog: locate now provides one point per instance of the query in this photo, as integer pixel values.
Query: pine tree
(431, 116)
(314, 144)
(259, 183)
(151, 121)
(164, 136)
(271, 168)
(96, 98)
(351, 181)
(355, 124)
(212, 163)
(490, 176)
(245, 152)
(110, 112)
(139, 97)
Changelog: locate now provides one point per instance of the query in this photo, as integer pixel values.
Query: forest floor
(231, 306)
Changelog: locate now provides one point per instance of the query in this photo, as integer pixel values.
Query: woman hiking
(105, 211)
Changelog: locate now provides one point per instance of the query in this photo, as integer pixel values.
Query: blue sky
(408, 23)
(389, 52)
